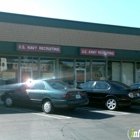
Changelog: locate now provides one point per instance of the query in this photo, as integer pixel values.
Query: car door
(20, 94)
(100, 91)
(88, 87)
(37, 92)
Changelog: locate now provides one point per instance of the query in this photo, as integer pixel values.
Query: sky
(111, 12)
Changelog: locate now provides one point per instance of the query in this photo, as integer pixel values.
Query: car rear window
(58, 84)
(119, 85)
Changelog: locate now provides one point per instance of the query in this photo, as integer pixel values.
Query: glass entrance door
(26, 73)
(80, 76)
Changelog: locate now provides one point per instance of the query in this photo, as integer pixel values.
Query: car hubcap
(9, 101)
(47, 107)
(111, 104)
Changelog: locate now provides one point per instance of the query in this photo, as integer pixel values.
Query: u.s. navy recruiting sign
(38, 48)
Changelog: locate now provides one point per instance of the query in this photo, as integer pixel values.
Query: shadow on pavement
(86, 112)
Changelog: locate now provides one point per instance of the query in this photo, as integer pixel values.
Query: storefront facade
(42, 48)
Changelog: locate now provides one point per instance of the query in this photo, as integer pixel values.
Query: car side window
(101, 85)
(88, 85)
(39, 85)
(57, 85)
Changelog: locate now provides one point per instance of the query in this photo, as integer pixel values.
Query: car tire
(111, 103)
(8, 101)
(47, 107)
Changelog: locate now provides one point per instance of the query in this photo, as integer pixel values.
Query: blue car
(49, 94)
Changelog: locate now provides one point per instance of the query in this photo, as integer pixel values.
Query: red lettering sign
(95, 52)
(38, 48)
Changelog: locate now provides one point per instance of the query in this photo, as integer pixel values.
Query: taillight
(67, 96)
(131, 95)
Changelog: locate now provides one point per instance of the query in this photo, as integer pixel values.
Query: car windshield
(59, 84)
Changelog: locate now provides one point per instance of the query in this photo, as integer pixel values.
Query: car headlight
(131, 95)
(138, 94)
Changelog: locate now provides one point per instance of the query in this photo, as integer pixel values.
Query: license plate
(78, 96)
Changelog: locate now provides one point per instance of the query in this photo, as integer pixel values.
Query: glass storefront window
(114, 71)
(138, 66)
(98, 70)
(8, 70)
(80, 71)
(66, 70)
(88, 70)
(128, 73)
(138, 72)
(80, 63)
(47, 68)
(28, 68)
(35, 67)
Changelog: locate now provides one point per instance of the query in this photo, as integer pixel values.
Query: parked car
(112, 94)
(49, 94)
(135, 86)
(6, 83)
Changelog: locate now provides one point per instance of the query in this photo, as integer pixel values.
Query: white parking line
(104, 111)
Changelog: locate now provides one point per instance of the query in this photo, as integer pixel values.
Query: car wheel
(47, 107)
(8, 101)
(111, 104)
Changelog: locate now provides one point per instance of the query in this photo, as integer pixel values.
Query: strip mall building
(37, 47)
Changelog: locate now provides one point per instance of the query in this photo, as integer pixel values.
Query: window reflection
(114, 71)
(28, 68)
(98, 70)
(8, 70)
(138, 72)
(66, 70)
(80, 71)
(80, 63)
(127, 73)
(47, 68)
(88, 70)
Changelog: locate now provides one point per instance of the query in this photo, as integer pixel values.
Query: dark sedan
(112, 94)
(49, 94)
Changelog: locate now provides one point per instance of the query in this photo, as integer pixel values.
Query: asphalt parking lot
(86, 123)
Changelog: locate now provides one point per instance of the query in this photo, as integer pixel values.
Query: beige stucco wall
(57, 36)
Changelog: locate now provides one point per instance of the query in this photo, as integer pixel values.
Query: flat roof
(67, 24)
